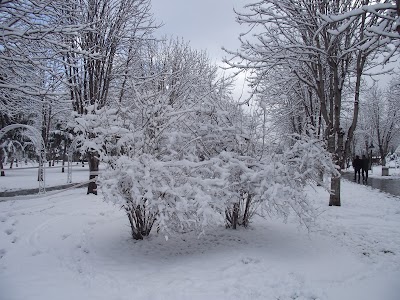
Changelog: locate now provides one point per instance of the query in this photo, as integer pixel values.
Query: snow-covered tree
(385, 25)
(167, 130)
(381, 112)
(32, 34)
(294, 37)
(116, 27)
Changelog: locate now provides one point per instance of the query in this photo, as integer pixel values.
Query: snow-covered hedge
(183, 195)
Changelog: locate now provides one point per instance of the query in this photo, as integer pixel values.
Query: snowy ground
(25, 176)
(74, 246)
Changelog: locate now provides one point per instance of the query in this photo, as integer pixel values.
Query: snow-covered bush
(181, 155)
(181, 194)
(170, 195)
(286, 175)
(273, 185)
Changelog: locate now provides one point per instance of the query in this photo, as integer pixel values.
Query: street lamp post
(370, 156)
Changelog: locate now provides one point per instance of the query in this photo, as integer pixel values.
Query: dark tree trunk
(63, 156)
(334, 199)
(246, 215)
(398, 13)
(93, 169)
(1, 165)
(235, 215)
(320, 178)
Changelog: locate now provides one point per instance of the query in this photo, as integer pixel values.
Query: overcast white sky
(206, 24)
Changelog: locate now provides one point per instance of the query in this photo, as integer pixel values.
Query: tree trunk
(63, 156)
(334, 199)
(320, 178)
(40, 171)
(235, 215)
(93, 169)
(1, 164)
(361, 59)
(398, 13)
(246, 216)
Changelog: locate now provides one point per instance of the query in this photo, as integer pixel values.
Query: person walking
(357, 165)
(364, 167)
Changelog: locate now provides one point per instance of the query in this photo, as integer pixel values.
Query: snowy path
(388, 184)
(73, 246)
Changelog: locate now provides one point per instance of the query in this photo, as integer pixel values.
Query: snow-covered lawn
(25, 176)
(73, 246)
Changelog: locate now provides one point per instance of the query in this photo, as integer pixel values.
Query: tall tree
(31, 44)
(294, 36)
(116, 26)
(167, 128)
(382, 112)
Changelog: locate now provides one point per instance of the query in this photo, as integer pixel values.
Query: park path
(24, 192)
(387, 185)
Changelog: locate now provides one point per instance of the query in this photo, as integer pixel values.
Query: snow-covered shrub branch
(183, 195)
(274, 184)
(167, 194)
(380, 26)
(101, 131)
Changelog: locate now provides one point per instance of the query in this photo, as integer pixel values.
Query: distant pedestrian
(357, 165)
(364, 167)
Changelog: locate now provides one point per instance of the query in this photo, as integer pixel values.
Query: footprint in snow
(2, 253)
(249, 260)
(3, 219)
(9, 231)
(14, 240)
(64, 236)
(37, 252)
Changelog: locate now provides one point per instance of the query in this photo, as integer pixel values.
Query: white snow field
(25, 176)
(72, 246)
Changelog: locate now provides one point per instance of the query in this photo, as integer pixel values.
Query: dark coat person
(357, 165)
(364, 167)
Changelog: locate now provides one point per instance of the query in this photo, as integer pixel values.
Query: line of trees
(308, 60)
(379, 122)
